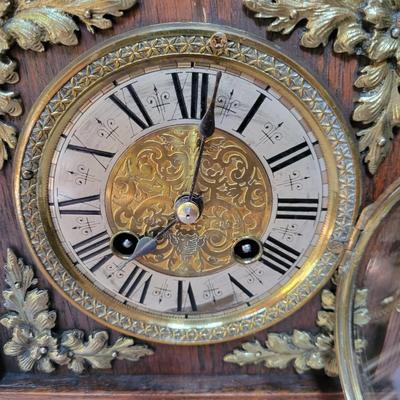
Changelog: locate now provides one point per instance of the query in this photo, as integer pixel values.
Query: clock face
(269, 202)
(123, 161)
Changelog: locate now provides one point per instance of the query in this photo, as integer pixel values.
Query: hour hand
(207, 123)
(206, 128)
(129, 246)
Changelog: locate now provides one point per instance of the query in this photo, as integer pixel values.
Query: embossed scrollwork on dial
(157, 169)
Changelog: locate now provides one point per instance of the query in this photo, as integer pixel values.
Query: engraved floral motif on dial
(158, 169)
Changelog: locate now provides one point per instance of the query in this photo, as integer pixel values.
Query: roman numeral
(278, 256)
(93, 152)
(190, 294)
(145, 289)
(240, 286)
(81, 200)
(101, 262)
(289, 156)
(179, 95)
(80, 212)
(252, 112)
(196, 87)
(306, 209)
(195, 94)
(89, 248)
(147, 122)
(132, 282)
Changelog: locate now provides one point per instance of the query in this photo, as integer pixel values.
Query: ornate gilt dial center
(158, 168)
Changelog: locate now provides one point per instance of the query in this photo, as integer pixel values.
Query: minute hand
(206, 128)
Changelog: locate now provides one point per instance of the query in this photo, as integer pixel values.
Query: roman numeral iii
(305, 209)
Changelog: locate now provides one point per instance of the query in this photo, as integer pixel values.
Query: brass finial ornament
(370, 29)
(32, 23)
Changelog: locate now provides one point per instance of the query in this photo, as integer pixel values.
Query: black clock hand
(129, 246)
(206, 128)
(148, 244)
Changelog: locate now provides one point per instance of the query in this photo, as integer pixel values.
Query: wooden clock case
(175, 371)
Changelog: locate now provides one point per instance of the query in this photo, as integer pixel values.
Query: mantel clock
(186, 184)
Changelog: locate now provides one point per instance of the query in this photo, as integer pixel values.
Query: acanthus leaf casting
(33, 342)
(367, 28)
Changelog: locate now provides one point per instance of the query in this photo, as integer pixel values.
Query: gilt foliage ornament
(30, 23)
(369, 28)
(33, 342)
(306, 351)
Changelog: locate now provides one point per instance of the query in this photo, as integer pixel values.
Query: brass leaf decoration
(31, 23)
(323, 18)
(306, 351)
(379, 106)
(7, 137)
(33, 342)
(370, 29)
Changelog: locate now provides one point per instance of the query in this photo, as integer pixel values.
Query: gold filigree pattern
(371, 29)
(33, 342)
(31, 23)
(158, 169)
(305, 350)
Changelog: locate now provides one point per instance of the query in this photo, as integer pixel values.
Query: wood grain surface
(187, 370)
